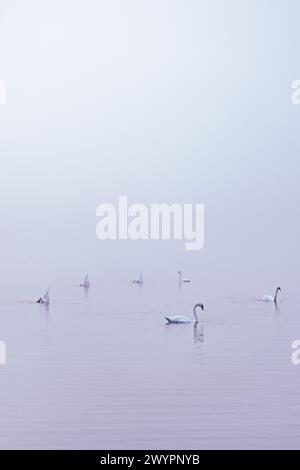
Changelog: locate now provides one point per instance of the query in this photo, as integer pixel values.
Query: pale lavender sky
(165, 101)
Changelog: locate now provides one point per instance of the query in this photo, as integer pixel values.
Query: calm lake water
(101, 370)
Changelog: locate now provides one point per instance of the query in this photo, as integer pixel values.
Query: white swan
(45, 299)
(270, 298)
(140, 280)
(86, 282)
(183, 318)
(181, 279)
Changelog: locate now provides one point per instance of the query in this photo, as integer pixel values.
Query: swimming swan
(86, 282)
(138, 281)
(185, 279)
(45, 299)
(184, 319)
(270, 298)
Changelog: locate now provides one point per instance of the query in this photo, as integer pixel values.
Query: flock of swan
(45, 299)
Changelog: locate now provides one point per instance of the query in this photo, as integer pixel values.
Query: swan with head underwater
(45, 299)
(85, 283)
(183, 318)
(270, 298)
(183, 279)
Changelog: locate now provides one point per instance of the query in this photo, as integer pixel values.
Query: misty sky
(162, 101)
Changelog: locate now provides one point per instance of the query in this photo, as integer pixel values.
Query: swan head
(278, 289)
(179, 272)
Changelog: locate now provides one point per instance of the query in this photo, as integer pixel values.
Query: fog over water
(162, 101)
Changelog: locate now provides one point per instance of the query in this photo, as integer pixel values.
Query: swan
(86, 282)
(45, 299)
(140, 280)
(270, 298)
(183, 318)
(185, 279)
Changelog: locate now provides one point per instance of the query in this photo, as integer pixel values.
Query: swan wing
(267, 298)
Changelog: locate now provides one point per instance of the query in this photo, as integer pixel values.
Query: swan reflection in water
(45, 310)
(277, 309)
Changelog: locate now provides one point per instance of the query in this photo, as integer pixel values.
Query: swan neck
(276, 294)
(195, 313)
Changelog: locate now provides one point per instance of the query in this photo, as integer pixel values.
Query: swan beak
(202, 306)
